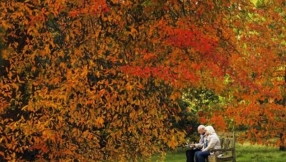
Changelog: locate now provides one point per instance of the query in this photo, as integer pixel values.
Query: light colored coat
(213, 141)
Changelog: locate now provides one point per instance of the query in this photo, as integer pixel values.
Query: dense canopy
(101, 79)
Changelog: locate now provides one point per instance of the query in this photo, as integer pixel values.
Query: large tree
(258, 103)
(96, 79)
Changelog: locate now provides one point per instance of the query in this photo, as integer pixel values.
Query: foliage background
(122, 80)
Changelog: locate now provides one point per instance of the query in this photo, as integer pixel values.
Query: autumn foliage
(99, 79)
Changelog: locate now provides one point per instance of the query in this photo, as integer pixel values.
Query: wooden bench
(227, 151)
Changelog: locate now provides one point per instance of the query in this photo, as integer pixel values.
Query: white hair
(210, 130)
(201, 127)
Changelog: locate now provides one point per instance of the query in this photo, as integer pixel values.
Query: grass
(244, 153)
(255, 153)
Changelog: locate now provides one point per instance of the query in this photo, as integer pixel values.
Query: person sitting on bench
(190, 154)
(212, 142)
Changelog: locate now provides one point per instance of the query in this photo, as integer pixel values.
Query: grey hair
(210, 130)
(201, 127)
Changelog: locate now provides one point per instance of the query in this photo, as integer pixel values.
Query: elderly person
(190, 154)
(212, 142)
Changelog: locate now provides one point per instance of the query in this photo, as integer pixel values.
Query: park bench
(227, 151)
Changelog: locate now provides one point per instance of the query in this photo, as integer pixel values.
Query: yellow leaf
(47, 49)
(129, 87)
(60, 118)
(172, 142)
(67, 152)
(99, 122)
(48, 135)
(15, 86)
(84, 71)
(133, 32)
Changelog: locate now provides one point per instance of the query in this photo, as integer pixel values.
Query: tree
(96, 79)
(255, 79)
(66, 94)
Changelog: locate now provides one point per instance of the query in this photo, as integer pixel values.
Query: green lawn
(244, 153)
